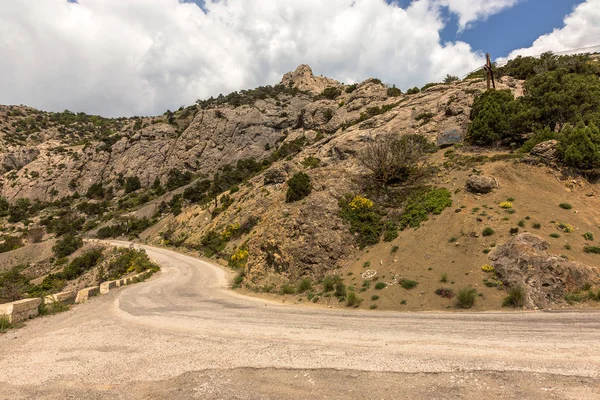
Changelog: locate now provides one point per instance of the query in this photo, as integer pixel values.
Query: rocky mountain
(273, 182)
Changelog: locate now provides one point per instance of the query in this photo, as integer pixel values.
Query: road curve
(184, 330)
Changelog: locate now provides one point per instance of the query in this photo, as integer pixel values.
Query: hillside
(274, 183)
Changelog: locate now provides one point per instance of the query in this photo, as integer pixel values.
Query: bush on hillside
(331, 92)
(132, 183)
(430, 201)
(364, 221)
(394, 159)
(176, 178)
(580, 146)
(67, 245)
(10, 243)
(95, 191)
(492, 117)
(299, 187)
(393, 91)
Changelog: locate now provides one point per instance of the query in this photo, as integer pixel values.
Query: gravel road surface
(183, 335)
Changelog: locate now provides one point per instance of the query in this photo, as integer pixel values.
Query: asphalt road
(182, 334)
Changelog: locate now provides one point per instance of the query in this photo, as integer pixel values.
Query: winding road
(183, 335)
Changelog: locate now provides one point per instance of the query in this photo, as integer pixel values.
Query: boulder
(523, 261)
(481, 184)
(546, 150)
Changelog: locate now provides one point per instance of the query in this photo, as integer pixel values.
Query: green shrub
(13, 284)
(328, 284)
(554, 235)
(364, 221)
(10, 243)
(588, 236)
(331, 92)
(340, 290)
(592, 249)
(425, 117)
(299, 187)
(286, 289)
(128, 261)
(4, 324)
(311, 162)
(536, 225)
(566, 206)
(408, 284)
(380, 285)
(515, 298)
(96, 191)
(374, 297)
(67, 245)
(393, 91)
(20, 210)
(492, 117)
(238, 279)
(351, 88)
(176, 178)
(580, 146)
(414, 90)
(450, 78)
(132, 183)
(390, 231)
(419, 207)
(444, 277)
(488, 232)
(304, 285)
(353, 300)
(466, 298)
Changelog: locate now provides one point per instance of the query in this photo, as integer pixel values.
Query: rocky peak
(304, 79)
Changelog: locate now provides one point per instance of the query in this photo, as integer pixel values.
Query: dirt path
(182, 335)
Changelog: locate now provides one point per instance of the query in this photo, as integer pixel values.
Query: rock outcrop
(546, 150)
(303, 79)
(523, 261)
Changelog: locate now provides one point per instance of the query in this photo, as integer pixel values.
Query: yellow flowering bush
(360, 203)
(487, 268)
(567, 228)
(506, 204)
(229, 231)
(239, 258)
(240, 255)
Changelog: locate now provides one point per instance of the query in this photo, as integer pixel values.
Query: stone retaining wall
(20, 310)
(84, 294)
(62, 297)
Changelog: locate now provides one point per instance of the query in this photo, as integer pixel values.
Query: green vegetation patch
(431, 201)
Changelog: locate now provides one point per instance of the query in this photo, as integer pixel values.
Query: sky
(142, 57)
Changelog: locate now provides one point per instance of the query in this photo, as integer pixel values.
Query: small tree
(580, 146)
(298, 187)
(394, 158)
(450, 78)
(132, 183)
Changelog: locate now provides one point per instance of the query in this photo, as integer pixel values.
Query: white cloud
(581, 31)
(469, 11)
(117, 57)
